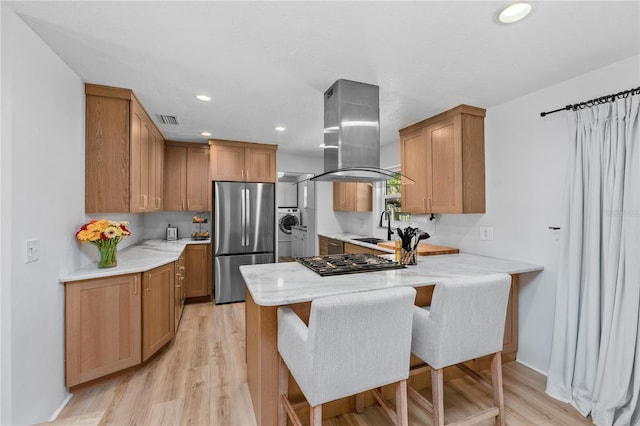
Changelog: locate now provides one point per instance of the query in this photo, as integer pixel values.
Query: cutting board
(425, 249)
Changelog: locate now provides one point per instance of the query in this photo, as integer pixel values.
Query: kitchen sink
(369, 240)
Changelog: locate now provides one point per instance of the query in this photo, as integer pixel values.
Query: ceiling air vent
(168, 119)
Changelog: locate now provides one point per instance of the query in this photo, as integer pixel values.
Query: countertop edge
(141, 257)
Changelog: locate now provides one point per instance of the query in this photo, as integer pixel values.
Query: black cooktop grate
(340, 264)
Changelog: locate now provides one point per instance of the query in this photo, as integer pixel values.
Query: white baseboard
(544, 373)
(55, 415)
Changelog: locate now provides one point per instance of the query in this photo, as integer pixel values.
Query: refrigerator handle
(243, 216)
(248, 217)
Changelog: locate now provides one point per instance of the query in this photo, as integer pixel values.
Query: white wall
(42, 193)
(526, 157)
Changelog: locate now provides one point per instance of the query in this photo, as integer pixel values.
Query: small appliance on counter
(172, 233)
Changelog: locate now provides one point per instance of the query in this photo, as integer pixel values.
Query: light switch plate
(33, 250)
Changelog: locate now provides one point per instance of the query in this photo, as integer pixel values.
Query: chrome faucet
(389, 230)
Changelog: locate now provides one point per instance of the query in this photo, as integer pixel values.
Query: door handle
(243, 216)
(248, 217)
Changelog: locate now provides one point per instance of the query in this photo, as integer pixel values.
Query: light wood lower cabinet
(102, 327)
(158, 313)
(118, 322)
(323, 245)
(354, 248)
(199, 270)
(180, 288)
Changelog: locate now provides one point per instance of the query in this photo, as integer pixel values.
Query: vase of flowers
(105, 235)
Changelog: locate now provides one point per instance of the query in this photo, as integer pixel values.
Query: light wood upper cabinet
(121, 170)
(158, 309)
(102, 327)
(444, 155)
(242, 161)
(352, 197)
(199, 263)
(187, 185)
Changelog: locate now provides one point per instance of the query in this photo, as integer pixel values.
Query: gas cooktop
(339, 264)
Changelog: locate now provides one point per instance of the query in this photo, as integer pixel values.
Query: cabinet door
(414, 164)
(227, 163)
(140, 136)
(444, 176)
(344, 196)
(363, 197)
(107, 144)
(179, 291)
(323, 246)
(102, 327)
(158, 309)
(354, 248)
(198, 183)
(175, 178)
(156, 171)
(197, 264)
(260, 165)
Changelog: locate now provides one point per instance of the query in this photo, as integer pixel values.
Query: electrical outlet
(486, 233)
(33, 250)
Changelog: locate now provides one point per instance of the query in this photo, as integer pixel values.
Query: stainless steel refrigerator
(243, 234)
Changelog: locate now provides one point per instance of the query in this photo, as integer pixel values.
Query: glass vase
(107, 256)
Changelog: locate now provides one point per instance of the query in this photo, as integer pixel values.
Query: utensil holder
(408, 257)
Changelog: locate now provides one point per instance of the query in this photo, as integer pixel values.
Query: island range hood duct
(352, 134)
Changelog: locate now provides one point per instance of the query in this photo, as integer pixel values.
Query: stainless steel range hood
(352, 134)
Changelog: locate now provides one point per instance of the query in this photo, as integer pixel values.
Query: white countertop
(349, 238)
(285, 283)
(141, 257)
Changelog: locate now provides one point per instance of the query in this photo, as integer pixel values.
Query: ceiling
(268, 63)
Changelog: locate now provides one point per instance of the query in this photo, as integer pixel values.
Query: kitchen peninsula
(273, 285)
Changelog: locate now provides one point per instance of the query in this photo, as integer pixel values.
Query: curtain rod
(596, 101)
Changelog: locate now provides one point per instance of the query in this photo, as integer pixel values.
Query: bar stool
(465, 321)
(354, 342)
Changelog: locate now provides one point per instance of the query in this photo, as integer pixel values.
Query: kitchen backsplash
(155, 224)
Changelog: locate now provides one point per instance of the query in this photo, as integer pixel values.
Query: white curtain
(595, 357)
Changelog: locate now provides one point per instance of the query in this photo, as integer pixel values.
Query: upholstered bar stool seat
(465, 321)
(354, 342)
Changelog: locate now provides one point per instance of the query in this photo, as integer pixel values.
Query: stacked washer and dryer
(287, 217)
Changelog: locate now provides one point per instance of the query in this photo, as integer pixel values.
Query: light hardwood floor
(200, 379)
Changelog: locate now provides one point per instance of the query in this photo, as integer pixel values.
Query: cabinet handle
(424, 205)
(148, 284)
(247, 174)
(143, 199)
(188, 204)
(242, 174)
(429, 203)
(135, 285)
(183, 205)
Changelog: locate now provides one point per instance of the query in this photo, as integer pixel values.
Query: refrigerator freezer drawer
(228, 284)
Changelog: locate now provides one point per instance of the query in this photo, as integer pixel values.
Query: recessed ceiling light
(280, 128)
(203, 98)
(205, 133)
(514, 13)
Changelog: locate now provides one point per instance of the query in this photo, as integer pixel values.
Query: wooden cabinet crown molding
(255, 145)
(460, 109)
